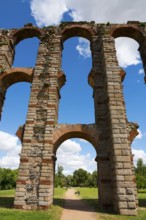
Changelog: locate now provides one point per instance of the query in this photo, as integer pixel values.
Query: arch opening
(76, 153)
(76, 95)
(127, 52)
(76, 168)
(26, 52)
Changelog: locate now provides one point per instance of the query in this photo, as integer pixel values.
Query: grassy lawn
(7, 193)
(54, 213)
(90, 196)
(7, 198)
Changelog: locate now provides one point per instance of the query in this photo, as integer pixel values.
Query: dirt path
(76, 209)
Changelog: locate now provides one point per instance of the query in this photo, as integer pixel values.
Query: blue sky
(76, 105)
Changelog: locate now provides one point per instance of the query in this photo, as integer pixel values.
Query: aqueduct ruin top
(133, 29)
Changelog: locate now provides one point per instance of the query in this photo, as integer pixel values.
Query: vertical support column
(101, 120)
(123, 185)
(6, 50)
(53, 69)
(132, 131)
(6, 60)
(35, 184)
(26, 196)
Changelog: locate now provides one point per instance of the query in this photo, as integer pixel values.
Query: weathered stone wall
(111, 135)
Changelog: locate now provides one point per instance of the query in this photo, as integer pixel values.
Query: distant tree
(60, 179)
(94, 177)
(69, 181)
(140, 167)
(140, 181)
(140, 171)
(80, 177)
(8, 178)
(60, 171)
(56, 180)
(89, 182)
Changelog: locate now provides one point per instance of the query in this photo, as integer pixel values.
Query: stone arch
(66, 131)
(28, 31)
(10, 77)
(15, 75)
(77, 30)
(128, 31)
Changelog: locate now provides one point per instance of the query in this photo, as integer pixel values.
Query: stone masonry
(111, 135)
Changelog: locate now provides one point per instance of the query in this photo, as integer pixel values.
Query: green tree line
(140, 172)
(8, 178)
(80, 177)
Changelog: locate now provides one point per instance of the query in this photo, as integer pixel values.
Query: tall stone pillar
(6, 60)
(122, 177)
(98, 82)
(35, 182)
(6, 50)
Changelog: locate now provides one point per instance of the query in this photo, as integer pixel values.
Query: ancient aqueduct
(111, 135)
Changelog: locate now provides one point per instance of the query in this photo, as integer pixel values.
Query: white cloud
(84, 48)
(141, 71)
(139, 136)
(139, 154)
(115, 11)
(70, 157)
(127, 51)
(69, 147)
(10, 161)
(10, 149)
(7, 141)
(48, 12)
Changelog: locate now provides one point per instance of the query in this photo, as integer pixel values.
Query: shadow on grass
(142, 203)
(86, 205)
(90, 205)
(6, 202)
(142, 198)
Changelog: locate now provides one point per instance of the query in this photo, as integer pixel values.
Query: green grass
(54, 213)
(7, 198)
(7, 193)
(89, 195)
